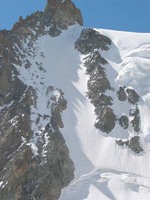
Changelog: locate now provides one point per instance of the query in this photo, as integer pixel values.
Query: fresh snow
(89, 148)
(103, 170)
(107, 184)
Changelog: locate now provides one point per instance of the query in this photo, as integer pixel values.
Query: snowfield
(108, 185)
(103, 170)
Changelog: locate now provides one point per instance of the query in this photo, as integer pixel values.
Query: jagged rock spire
(63, 12)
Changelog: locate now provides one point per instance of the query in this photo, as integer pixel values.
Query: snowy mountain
(113, 165)
(74, 109)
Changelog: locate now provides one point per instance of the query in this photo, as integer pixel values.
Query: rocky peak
(63, 13)
(58, 15)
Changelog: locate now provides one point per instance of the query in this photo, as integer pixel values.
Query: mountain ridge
(71, 106)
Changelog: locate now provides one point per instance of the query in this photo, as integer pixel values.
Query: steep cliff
(35, 162)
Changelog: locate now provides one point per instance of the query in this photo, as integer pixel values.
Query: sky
(125, 15)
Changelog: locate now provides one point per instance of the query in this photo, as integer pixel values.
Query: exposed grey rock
(91, 40)
(136, 120)
(29, 176)
(101, 100)
(134, 144)
(57, 16)
(97, 83)
(88, 43)
(64, 13)
(133, 97)
(124, 121)
(93, 61)
(54, 31)
(25, 27)
(105, 119)
(122, 143)
(122, 94)
(26, 175)
(56, 119)
(62, 103)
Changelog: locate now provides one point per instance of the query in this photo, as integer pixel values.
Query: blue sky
(127, 15)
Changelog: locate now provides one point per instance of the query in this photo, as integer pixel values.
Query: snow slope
(107, 184)
(99, 150)
(103, 170)
(128, 65)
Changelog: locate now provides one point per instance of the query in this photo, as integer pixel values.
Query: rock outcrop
(57, 16)
(29, 169)
(133, 144)
(133, 97)
(124, 121)
(122, 96)
(35, 161)
(90, 40)
(63, 13)
(90, 44)
(105, 119)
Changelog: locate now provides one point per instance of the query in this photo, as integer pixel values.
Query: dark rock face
(91, 40)
(128, 93)
(133, 97)
(124, 121)
(136, 120)
(31, 170)
(105, 119)
(99, 84)
(122, 143)
(101, 100)
(58, 15)
(26, 175)
(122, 94)
(56, 119)
(64, 13)
(133, 144)
(30, 178)
(94, 60)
